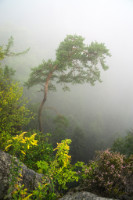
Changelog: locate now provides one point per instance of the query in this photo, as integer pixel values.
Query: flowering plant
(107, 175)
(19, 144)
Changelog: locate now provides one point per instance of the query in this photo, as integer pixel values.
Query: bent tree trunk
(44, 98)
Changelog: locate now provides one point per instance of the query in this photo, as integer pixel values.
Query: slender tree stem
(44, 98)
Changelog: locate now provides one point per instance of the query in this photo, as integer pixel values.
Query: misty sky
(43, 24)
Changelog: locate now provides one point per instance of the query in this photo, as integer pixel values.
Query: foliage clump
(13, 111)
(57, 173)
(106, 175)
(124, 145)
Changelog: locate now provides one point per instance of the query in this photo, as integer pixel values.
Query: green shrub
(106, 175)
(60, 169)
(42, 152)
(13, 112)
(57, 173)
(124, 145)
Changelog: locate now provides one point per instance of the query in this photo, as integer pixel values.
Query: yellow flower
(34, 142)
(27, 198)
(23, 152)
(7, 147)
(23, 141)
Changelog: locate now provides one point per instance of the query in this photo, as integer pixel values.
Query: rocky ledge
(82, 196)
(29, 178)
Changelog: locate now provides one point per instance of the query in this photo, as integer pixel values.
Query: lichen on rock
(29, 178)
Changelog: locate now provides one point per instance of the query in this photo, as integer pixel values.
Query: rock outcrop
(82, 196)
(29, 178)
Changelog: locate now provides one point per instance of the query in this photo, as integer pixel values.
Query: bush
(13, 112)
(60, 170)
(43, 151)
(105, 176)
(57, 173)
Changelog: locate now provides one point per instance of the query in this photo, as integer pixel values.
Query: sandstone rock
(82, 196)
(29, 178)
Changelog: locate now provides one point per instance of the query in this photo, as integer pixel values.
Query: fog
(42, 25)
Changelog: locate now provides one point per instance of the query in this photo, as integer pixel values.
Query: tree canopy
(75, 63)
(13, 111)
